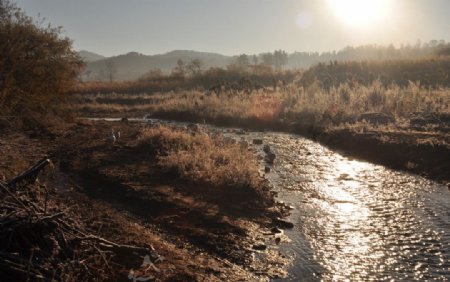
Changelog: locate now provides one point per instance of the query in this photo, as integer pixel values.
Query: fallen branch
(41, 244)
(31, 174)
(118, 248)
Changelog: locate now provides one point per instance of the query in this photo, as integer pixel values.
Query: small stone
(283, 223)
(243, 144)
(266, 169)
(259, 247)
(257, 141)
(276, 230)
(270, 158)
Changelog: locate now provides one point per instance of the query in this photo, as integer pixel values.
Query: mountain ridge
(133, 64)
(89, 56)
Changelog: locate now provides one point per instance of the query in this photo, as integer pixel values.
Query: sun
(361, 13)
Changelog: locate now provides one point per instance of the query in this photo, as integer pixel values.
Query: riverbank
(121, 193)
(418, 151)
(400, 126)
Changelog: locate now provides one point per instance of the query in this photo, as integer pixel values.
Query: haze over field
(225, 140)
(233, 27)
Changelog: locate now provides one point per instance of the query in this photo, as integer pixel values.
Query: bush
(199, 158)
(37, 65)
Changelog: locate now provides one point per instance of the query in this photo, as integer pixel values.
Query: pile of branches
(40, 241)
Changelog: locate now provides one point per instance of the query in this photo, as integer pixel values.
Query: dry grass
(308, 105)
(200, 158)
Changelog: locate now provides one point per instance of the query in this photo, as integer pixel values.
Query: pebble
(259, 247)
(276, 230)
(283, 223)
(257, 141)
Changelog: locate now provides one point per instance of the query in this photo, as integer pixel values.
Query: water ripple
(358, 221)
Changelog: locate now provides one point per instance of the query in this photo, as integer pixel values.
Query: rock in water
(257, 141)
(276, 230)
(283, 223)
(259, 247)
(270, 158)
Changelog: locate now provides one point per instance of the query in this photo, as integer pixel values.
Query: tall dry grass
(200, 158)
(310, 105)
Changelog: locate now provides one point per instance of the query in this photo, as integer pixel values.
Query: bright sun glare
(361, 13)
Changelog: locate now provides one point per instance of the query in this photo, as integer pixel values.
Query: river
(354, 220)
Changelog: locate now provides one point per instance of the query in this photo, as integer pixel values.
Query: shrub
(37, 65)
(200, 158)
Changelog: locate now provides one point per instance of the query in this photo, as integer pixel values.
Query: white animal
(112, 138)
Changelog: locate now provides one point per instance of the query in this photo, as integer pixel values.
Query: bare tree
(110, 70)
(255, 60)
(180, 68)
(194, 67)
(280, 59)
(267, 59)
(243, 60)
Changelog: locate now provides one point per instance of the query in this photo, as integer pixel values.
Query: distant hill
(133, 65)
(90, 56)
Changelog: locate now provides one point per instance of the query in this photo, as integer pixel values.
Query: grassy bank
(311, 105)
(390, 116)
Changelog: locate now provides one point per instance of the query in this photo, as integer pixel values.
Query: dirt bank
(426, 153)
(120, 193)
(417, 153)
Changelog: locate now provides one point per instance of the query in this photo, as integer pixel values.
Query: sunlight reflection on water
(358, 221)
(355, 221)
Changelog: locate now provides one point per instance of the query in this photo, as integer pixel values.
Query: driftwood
(30, 175)
(40, 245)
(118, 247)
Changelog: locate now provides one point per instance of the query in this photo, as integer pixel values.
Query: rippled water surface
(355, 220)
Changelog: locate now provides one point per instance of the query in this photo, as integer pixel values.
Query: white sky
(112, 27)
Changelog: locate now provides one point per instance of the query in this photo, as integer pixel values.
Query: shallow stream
(354, 220)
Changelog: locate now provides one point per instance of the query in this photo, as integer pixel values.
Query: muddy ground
(119, 193)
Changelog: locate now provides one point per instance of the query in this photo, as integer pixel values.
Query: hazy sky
(112, 27)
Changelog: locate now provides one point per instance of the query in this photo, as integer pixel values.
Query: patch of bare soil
(118, 193)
